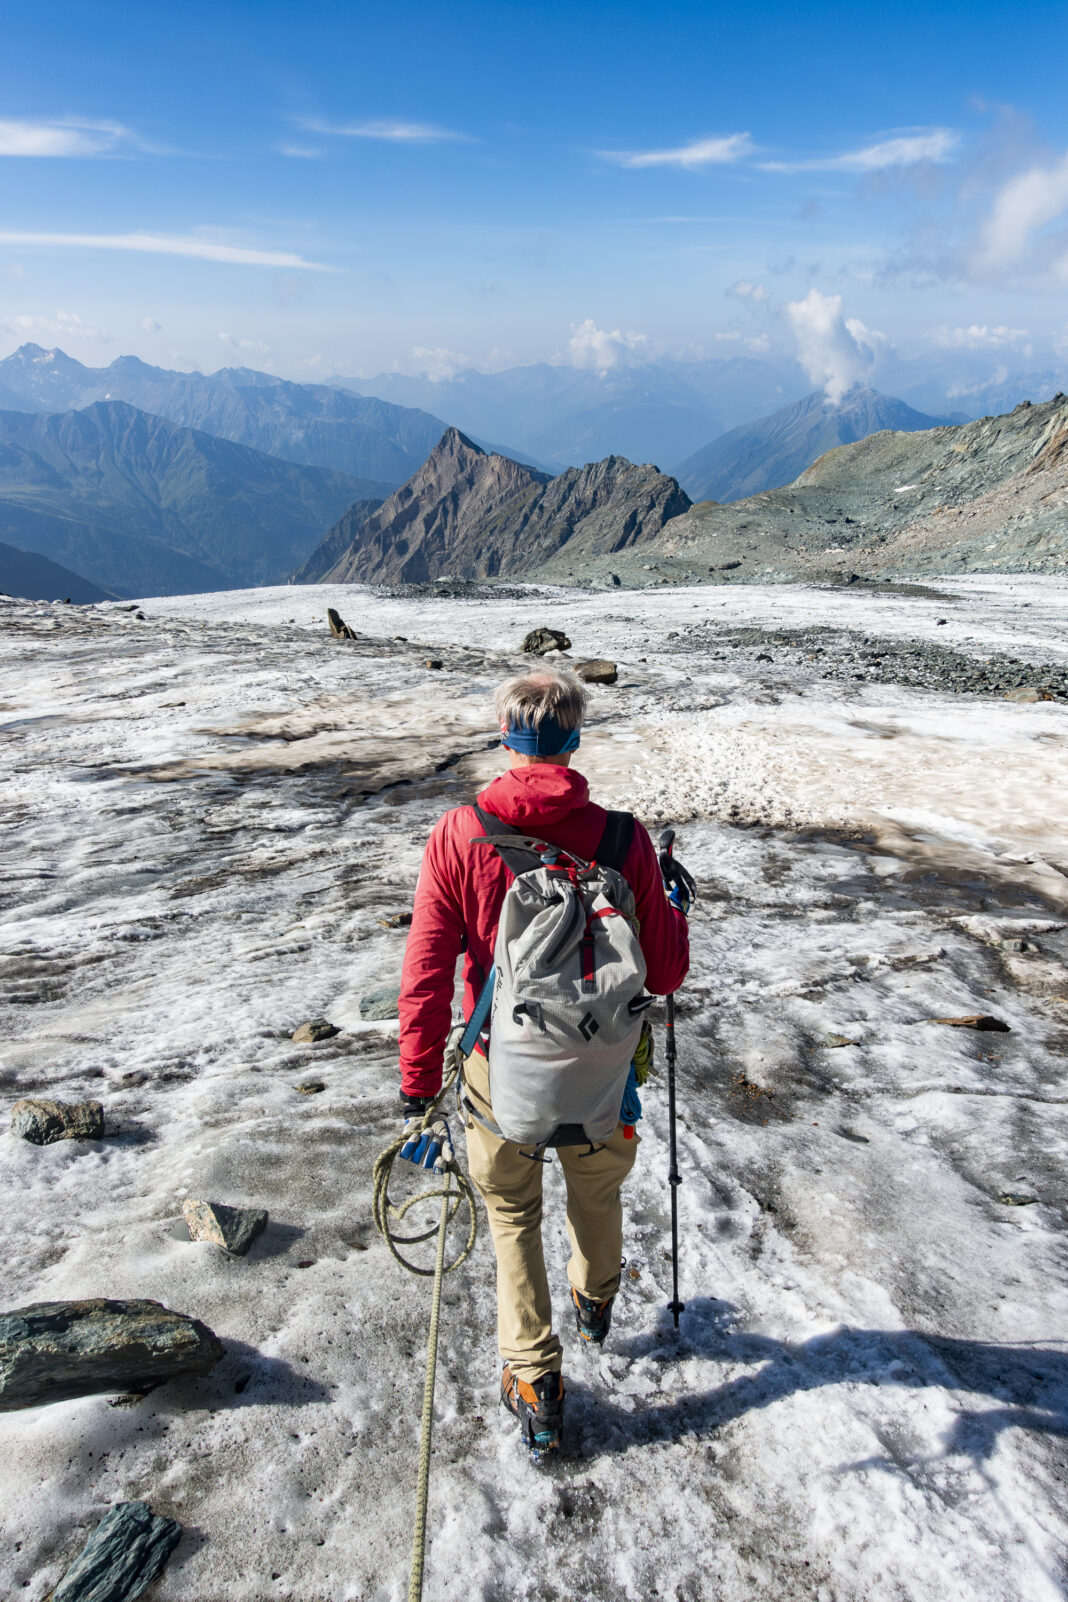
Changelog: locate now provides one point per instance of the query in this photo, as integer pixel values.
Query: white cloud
(963, 391)
(744, 289)
(936, 145)
(758, 342)
(700, 153)
(167, 245)
(59, 325)
(66, 136)
(593, 347)
(835, 351)
(391, 129)
(299, 152)
(437, 362)
(1023, 205)
(247, 347)
(150, 325)
(980, 337)
(1060, 342)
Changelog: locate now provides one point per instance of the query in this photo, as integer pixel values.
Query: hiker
(458, 904)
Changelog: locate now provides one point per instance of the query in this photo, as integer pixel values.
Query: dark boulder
(52, 1351)
(42, 1122)
(124, 1554)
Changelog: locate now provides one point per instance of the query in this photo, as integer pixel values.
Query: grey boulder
(42, 1122)
(124, 1554)
(378, 1005)
(52, 1351)
(232, 1228)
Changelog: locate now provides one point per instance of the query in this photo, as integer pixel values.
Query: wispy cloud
(63, 136)
(392, 129)
(1022, 207)
(247, 347)
(930, 145)
(299, 152)
(745, 289)
(59, 325)
(167, 245)
(979, 337)
(700, 153)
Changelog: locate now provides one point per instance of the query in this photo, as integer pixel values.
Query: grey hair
(545, 693)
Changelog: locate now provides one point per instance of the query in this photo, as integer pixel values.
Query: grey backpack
(567, 988)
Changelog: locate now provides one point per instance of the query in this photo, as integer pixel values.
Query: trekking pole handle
(666, 840)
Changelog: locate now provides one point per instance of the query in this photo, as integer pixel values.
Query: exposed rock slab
(52, 1351)
(124, 1554)
(232, 1228)
(41, 1122)
(338, 627)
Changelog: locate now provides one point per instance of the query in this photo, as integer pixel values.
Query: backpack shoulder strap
(615, 841)
(517, 859)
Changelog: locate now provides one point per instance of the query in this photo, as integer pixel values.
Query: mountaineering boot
(594, 1319)
(539, 1407)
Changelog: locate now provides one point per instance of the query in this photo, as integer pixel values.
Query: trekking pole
(386, 1215)
(675, 1307)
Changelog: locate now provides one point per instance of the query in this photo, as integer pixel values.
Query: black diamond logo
(589, 1026)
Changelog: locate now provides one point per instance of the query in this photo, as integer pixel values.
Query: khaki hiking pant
(510, 1185)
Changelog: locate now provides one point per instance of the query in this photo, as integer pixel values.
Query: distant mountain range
(37, 579)
(478, 515)
(141, 506)
(773, 450)
(567, 416)
(313, 424)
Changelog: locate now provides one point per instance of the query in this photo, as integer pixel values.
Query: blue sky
(326, 188)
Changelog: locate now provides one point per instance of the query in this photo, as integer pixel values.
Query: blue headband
(548, 739)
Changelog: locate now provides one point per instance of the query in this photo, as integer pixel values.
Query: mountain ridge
(140, 505)
(771, 451)
(484, 514)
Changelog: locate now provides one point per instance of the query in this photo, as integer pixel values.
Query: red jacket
(461, 889)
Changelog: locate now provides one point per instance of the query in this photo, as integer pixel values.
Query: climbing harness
(387, 1215)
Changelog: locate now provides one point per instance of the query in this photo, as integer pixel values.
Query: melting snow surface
(208, 816)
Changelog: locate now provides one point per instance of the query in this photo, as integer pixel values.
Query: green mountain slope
(141, 506)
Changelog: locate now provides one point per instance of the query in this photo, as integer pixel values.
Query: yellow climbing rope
(386, 1214)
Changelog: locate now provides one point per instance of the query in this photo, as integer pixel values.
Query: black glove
(679, 884)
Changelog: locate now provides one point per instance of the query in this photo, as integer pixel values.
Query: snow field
(868, 1399)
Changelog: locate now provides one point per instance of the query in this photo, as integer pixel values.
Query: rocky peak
(469, 512)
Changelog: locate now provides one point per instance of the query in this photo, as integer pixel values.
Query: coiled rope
(386, 1215)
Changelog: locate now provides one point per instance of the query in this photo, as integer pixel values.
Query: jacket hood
(542, 793)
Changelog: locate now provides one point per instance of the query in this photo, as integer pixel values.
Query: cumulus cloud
(1023, 206)
(393, 130)
(57, 325)
(601, 350)
(933, 145)
(745, 289)
(150, 325)
(438, 362)
(834, 351)
(167, 245)
(699, 153)
(979, 337)
(64, 136)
